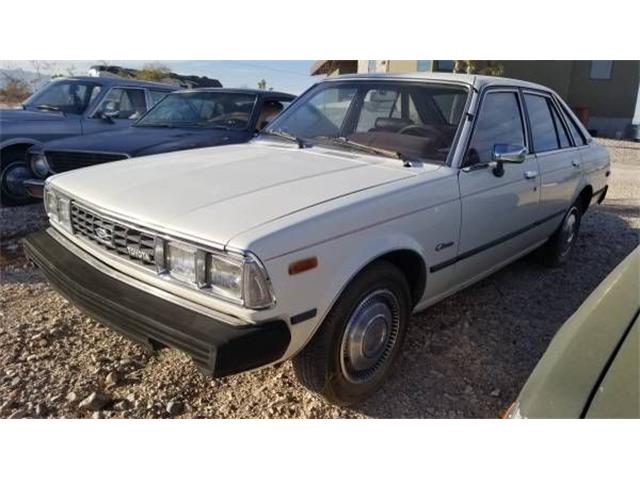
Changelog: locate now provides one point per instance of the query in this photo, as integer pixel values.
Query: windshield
(414, 120)
(227, 110)
(68, 96)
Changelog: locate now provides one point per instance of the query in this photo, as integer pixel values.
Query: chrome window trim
(135, 283)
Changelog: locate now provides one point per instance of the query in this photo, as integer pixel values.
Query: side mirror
(109, 115)
(504, 153)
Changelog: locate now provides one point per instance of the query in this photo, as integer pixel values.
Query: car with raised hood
(592, 366)
(369, 198)
(64, 107)
(182, 120)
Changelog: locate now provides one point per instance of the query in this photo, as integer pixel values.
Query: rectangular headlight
(180, 261)
(58, 207)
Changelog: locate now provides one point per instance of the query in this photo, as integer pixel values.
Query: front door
(122, 105)
(498, 209)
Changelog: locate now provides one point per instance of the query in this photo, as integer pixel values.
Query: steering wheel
(419, 131)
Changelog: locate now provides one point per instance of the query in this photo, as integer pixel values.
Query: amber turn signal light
(303, 265)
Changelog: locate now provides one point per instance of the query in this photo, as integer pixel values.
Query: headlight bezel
(58, 207)
(249, 269)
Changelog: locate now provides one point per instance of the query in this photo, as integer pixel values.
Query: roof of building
(477, 81)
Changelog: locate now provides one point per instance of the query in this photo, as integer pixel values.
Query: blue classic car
(67, 107)
(182, 120)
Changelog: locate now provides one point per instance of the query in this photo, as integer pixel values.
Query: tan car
(592, 367)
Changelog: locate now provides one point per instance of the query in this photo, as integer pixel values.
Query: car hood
(136, 141)
(214, 194)
(20, 115)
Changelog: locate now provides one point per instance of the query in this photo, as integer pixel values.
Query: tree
(262, 84)
(153, 72)
(15, 91)
(479, 67)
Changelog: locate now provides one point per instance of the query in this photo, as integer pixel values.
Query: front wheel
(12, 190)
(353, 352)
(555, 252)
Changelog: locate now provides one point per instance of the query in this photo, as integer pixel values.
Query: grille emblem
(104, 235)
(139, 253)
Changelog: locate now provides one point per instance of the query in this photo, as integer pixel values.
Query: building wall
(555, 74)
(402, 66)
(613, 98)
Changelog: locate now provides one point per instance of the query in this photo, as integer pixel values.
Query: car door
(558, 160)
(119, 108)
(499, 206)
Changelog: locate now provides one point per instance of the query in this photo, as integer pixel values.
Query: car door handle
(575, 163)
(530, 174)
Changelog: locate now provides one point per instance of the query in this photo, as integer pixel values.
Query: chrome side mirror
(504, 153)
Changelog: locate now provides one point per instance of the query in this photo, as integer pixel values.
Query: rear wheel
(556, 251)
(354, 350)
(13, 172)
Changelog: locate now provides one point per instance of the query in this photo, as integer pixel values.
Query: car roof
(476, 81)
(115, 81)
(239, 90)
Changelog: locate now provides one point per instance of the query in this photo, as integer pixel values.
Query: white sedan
(369, 198)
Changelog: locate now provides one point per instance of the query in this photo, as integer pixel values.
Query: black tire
(323, 366)
(556, 251)
(11, 163)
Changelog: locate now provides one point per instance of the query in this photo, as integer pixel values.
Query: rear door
(498, 211)
(558, 159)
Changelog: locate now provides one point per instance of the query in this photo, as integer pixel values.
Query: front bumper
(217, 348)
(34, 187)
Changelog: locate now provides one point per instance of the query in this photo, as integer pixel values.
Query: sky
(290, 76)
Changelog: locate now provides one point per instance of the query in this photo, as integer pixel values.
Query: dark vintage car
(182, 120)
(67, 107)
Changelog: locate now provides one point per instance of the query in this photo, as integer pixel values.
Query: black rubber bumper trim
(217, 348)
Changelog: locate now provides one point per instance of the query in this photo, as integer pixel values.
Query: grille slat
(112, 236)
(62, 161)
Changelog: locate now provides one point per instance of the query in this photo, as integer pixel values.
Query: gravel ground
(466, 357)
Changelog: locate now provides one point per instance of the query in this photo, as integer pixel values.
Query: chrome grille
(62, 161)
(123, 240)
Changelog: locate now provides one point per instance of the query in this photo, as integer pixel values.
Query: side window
(156, 96)
(378, 104)
(542, 127)
(578, 137)
(499, 121)
(563, 136)
(125, 103)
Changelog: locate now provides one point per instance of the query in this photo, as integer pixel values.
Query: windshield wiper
(155, 125)
(345, 142)
(287, 136)
(47, 107)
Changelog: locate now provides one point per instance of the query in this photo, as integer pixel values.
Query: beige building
(604, 93)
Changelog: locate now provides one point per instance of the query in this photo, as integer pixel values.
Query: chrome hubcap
(369, 336)
(569, 231)
(14, 175)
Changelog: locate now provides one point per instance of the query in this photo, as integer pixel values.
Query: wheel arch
(17, 144)
(584, 197)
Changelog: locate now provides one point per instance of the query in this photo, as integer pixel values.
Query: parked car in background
(369, 198)
(67, 107)
(592, 366)
(182, 120)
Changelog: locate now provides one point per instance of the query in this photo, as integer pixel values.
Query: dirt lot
(466, 357)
